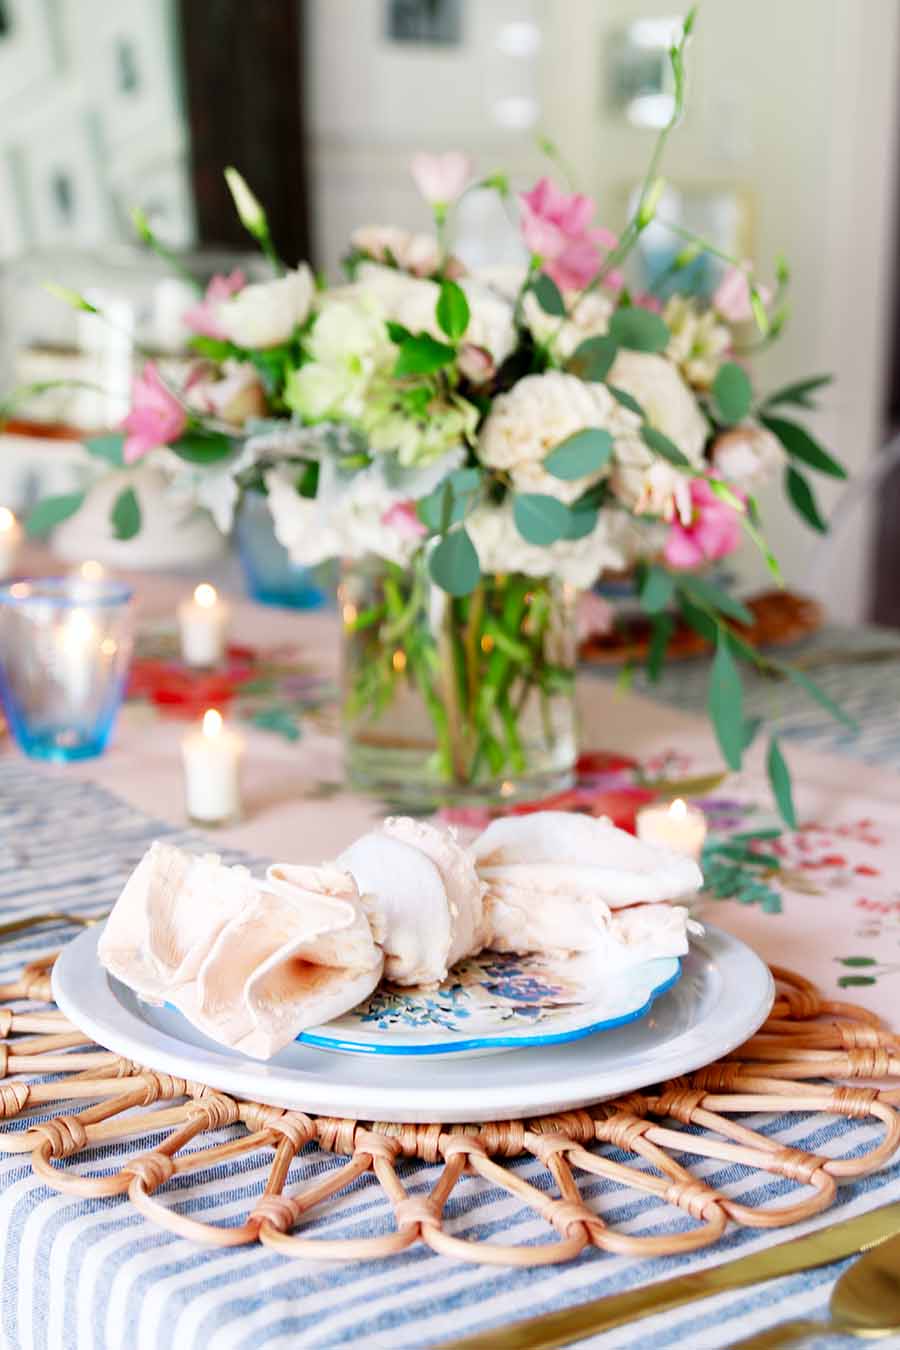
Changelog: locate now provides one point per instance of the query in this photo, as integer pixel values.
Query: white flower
(587, 317)
(267, 313)
(417, 253)
(699, 343)
(649, 486)
(538, 413)
(348, 343)
(668, 404)
(579, 562)
(747, 456)
(302, 525)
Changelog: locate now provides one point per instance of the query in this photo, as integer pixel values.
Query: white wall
(793, 101)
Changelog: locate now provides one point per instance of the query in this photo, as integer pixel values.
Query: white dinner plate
(723, 996)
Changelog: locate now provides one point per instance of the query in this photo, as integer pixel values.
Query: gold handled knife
(602, 1314)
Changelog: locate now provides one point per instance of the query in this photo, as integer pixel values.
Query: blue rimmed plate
(493, 1002)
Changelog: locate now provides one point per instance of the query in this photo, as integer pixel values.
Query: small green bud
(69, 297)
(250, 212)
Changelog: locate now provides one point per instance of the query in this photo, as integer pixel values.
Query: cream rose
(699, 343)
(747, 456)
(538, 413)
(587, 317)
(267, 313)
(579, 562)
(417, 253)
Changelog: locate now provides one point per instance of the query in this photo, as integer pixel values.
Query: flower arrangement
(492, 439)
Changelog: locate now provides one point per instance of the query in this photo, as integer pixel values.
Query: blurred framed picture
(135, 59)
(27, 47)
(722, 215)
(433, 22)
(67, 202)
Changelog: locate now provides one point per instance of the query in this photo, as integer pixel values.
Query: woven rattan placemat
(804, 1059)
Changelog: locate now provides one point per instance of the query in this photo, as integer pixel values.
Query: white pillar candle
(212, 760)
(675, 825)
(10, 542)
(203, 621)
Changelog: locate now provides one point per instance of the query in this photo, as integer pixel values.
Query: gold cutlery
(786, 1258)
(864, 1302)
(52, 916)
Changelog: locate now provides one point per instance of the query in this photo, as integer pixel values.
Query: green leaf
(583, 517)
(397, 332)
(857, 961)
(215, 349)
(593, 358)
(422, 355)
(462, 485)
(639, 329)
(799, 392)
(540, 519)
(453, 563)
(780, 779)
(663, 627)
(800, 678)
(109, 448)
(661, 445)
(125, 516)
(548, 295)
(732, 392)
(202, 447)
(726, 703)
(800, 445)
(657, 590)
(708, 593)
(581, 454)
(751, 731)
(52, 511)
(803, 499)
(627, 401)
(452, 310)
(698, 619)
(855, 981)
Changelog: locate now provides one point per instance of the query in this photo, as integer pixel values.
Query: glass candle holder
(65, 648)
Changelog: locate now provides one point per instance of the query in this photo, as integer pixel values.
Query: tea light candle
(203, 621)
(675, 825)
(10, 541)
(212, 759)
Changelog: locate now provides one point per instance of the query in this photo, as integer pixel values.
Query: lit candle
(677, 826)
(91, 570)
(203, 621)
(77, 648)
(212, 759)
(10, 541)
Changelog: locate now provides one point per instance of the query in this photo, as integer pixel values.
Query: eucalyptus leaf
(109, 448)
(125, 516)
(726, 703)
(706, 592)
(461, 487)
(452, 310)
(453, 563)
(548, 295)
(583, 516)
(627, 400)
(583, 453)
(202, 447)
(422, 354)
(800, 445)
(657, 590)
(52, 511)
(780, 779)
(639, 329)
(540, 519)
(803, 499)
(732, 392)
(663, 627)
(593, 358)
(661, 445)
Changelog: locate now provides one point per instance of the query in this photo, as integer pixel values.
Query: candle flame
(212, 723)
(205, 595)
(91, 570)
(7, 520)
(678, 809)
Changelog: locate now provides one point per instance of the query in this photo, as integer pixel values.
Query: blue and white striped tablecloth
(93, 1275)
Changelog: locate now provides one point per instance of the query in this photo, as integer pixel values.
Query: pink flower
(732, 295)
(156, 417)
(713, 531)
(475, 363)
(403, 518)
(441, 178)
(556, 226)
(203, 317)
(594, 616)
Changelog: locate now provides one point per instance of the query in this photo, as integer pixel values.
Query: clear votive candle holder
(65, 648)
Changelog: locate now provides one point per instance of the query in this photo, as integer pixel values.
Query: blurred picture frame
(722, 214)
(135, 57)
(426, 22)
(66, 200)
(28, 49)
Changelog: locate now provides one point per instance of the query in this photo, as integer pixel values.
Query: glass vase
(457, 699)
